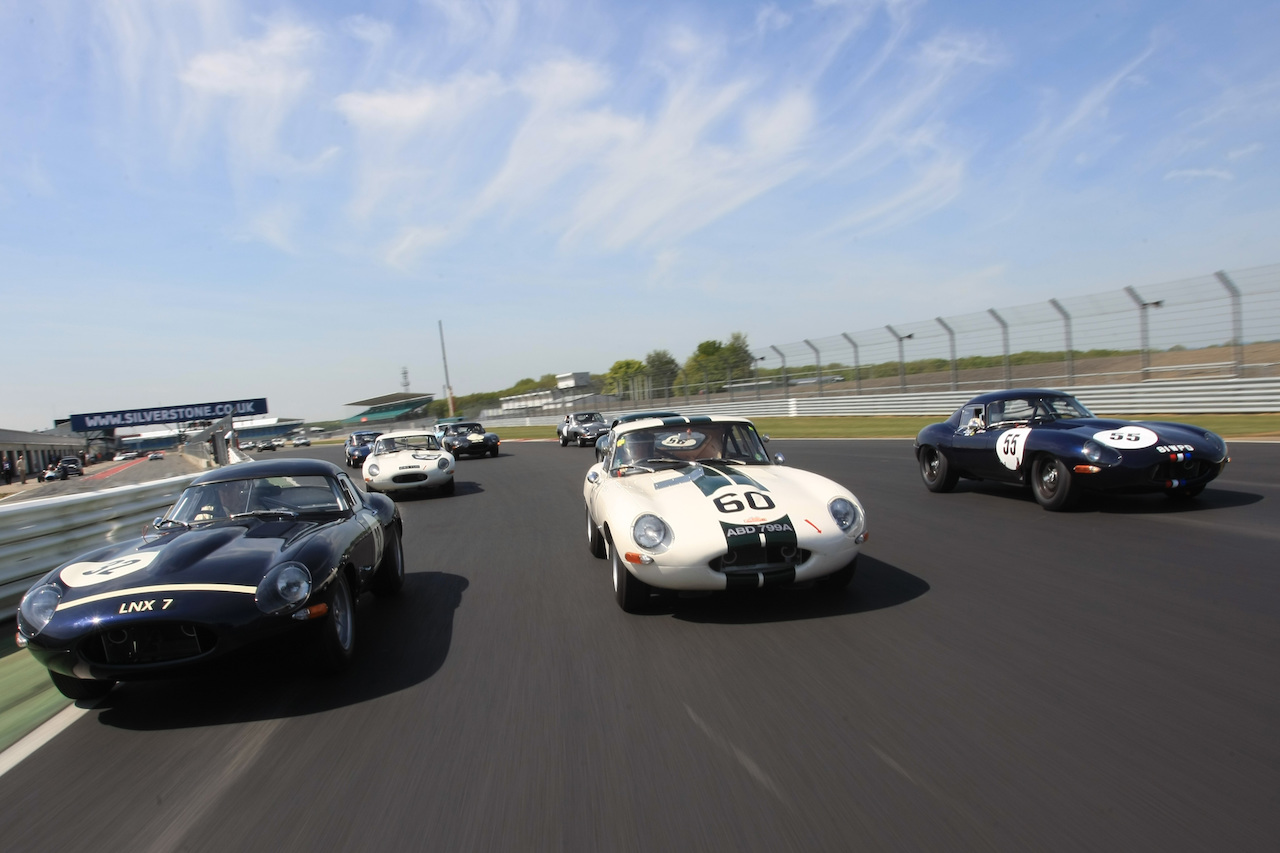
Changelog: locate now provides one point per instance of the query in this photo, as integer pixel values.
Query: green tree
(662, 369)
(617, 380)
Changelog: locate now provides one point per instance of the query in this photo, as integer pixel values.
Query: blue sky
(219, 200)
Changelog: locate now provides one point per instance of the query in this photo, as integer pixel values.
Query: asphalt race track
(997, 678)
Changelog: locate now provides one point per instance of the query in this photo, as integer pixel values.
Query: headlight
(1099, 453)
(285, 586)
(443, 464)
(373, 470)
(651, 532)
(846, 514)
(38, 605)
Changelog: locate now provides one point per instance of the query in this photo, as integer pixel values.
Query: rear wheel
(1052, 483)
(936, 471)
(631, 592)
(77, 689)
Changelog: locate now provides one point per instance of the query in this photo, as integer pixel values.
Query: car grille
(756, 557)
(150, 643)
(416, 477)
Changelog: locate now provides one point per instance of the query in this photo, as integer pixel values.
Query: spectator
(8, 471)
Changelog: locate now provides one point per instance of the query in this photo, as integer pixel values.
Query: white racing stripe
(150, 590)
(47, 731)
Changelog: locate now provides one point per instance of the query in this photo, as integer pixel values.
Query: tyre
(494, 452)
(839, 579)
(582, 441)
(390, 576)
(595, 540)
(936, 471)
(1052, 484)
(337, 641)
(449, 487)
(1184, 493)
(564, 442)
(77, 689)
(631, 592)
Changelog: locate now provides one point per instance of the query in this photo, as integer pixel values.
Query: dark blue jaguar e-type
(1048, 440)
(248, 552)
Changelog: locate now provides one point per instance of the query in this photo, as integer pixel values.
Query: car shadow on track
(400, 642)
(1123, 504)
(461, 488)
(876, 585)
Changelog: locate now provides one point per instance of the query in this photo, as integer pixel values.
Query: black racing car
(1048, 440)
(468, 438)
(248, 552)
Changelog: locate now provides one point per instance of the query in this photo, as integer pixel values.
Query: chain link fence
(1223, 325)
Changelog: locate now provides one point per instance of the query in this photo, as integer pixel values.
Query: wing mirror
(593, 477)
(779, 459)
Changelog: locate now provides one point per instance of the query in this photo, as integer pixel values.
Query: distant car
(123, 456)
(582, 428)
(357, 446)
(277, 442)
(1049, 441)
(467, 438)
(70, 466)
(248, 553)
(603, 443)
(301, 441)
(266, 444)
(697, 504)
(156, 454)
(406, 461)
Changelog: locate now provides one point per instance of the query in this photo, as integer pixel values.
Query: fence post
(857, 368)
(955, 378)
(902, 365)
(817, 358)
(1142, 327)
(786, 386)
(1237, 323)
(1066, 322)
(1004, 333)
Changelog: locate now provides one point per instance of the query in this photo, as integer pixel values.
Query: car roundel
(1011, 446)
(88, 573)
(1127, 437)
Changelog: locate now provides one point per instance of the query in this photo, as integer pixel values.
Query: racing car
(1049, 441)
(248, 552)
(357, 446)
(467, 438)
(582, 428)
(695, 503)
(408, 460)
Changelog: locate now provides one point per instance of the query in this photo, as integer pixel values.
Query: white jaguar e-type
(408, 460)
(695, 503)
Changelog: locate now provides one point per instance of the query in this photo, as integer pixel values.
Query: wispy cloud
(1199, 174)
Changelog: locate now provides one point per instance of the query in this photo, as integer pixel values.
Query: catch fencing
(1220, 326)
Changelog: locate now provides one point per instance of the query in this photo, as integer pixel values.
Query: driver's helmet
(635, 447)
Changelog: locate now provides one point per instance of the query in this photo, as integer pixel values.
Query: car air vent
(149, 643)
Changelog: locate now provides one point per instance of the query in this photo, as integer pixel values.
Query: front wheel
(936, 471)
(449, 487)
(1185, 493)
(631, 592)
(338, 630)
(1052, 484)
(77, 689)
(494, 452)
(390, 577)
(839, 579)
(564, 442)
(595, 540)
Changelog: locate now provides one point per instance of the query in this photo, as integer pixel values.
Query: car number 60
(729, 502)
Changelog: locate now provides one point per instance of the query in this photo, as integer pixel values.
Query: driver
(634, 448)
(220, 500)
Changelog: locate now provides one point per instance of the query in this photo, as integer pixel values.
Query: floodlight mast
(444, 358)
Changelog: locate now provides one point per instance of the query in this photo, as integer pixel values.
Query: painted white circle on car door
(1010, 446)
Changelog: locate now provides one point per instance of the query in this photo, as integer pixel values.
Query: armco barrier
(37, 535)
(1185, 396)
